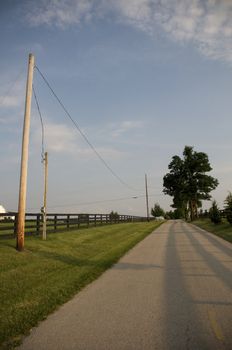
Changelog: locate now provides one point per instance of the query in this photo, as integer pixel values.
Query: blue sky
(142, 78)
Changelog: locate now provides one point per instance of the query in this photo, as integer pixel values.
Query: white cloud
(10, 101)
(117, 129)
(60, 13)
(13, 96)
(207, 24)
(62, 139)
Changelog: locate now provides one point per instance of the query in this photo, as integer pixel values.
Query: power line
(41, 121)
(97, 202)
(82, 134)
(94, 202)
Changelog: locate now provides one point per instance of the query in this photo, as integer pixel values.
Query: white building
(3, 211)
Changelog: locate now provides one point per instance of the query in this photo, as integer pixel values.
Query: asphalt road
(172, 291)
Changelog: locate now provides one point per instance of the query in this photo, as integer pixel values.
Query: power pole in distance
(148, 216)
(44, 208)
(24, 157)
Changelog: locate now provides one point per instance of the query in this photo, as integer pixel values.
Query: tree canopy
(187, 181)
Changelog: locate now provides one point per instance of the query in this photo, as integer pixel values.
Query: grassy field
(223, 230)
(47, 274)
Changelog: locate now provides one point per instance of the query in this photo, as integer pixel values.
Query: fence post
(87, 220)
(78, 221)
(15, 224)
(95, 219)
(55, 222)
(37, 223)
(68, 221)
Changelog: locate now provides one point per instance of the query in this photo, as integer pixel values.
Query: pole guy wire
(41, 122)
(82, 134)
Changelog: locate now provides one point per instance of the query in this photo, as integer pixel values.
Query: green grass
(223, 230)
(48, 273)
(8, 225)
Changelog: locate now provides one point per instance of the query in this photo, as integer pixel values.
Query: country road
(172, 291)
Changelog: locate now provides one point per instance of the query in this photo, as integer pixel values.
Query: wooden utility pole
(24, 157)
(44, 209)
(148, 216)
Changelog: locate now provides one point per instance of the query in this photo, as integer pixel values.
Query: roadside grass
(223, 230)
(48, 273)
(7, 228)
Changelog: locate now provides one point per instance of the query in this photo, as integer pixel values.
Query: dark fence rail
(58, 222)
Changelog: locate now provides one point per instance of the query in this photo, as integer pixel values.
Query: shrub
(214, 213)
(157, 211)
(228, 207)
(114, 216)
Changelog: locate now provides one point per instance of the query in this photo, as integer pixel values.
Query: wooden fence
(59, 222)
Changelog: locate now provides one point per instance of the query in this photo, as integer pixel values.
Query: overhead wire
(102, 201)
(41, 122)
(99, 201)
(82, 134)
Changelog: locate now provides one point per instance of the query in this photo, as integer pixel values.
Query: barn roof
(2, 209)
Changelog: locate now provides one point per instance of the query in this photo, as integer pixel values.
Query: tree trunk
(191, 206)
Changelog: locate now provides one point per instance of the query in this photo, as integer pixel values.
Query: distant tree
(214, 213)
(114, 216)
(187, 182)
(174, 214)
(178, 213)
(228, 207)
(167, 215)
(157, 210)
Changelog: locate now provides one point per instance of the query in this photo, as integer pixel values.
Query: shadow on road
(182, 329)
(220, 270)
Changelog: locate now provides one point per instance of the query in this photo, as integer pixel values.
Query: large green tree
(187, 181)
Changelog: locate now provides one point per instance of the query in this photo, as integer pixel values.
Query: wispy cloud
(60, 12)
(14, 95)
(62, 139)
(207, 24)
(117, 129)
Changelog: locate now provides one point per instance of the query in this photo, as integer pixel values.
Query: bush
(228, 207)
(114, 216)
(157, 211)
(229, 217)
(214, 213)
